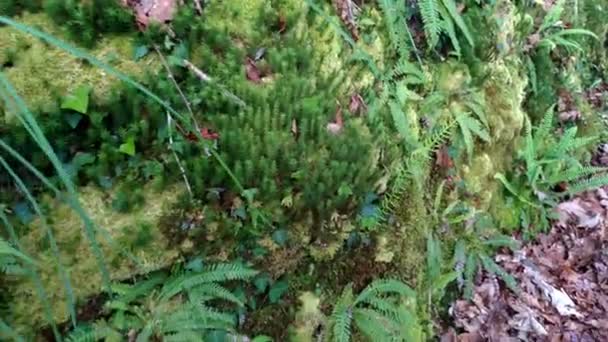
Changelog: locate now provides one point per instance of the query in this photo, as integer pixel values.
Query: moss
(308, 318)
(76, 255)
(41, 72)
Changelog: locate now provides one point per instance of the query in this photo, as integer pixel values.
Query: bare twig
(179, 163)
(181, 93)
(205, 78)
(198, 6)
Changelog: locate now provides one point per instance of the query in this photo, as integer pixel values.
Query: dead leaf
(347, 11)
(357, 105)
(443, 159)
(336, 126)
(294, 127)
(147, 11)
(252, 71)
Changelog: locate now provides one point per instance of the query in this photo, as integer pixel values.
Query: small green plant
(442, 17)
(384, 311)
(182, 306)
(476, 244)
(551, 170)
(552, 32)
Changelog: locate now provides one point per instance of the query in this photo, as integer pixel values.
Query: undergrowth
(424, 144)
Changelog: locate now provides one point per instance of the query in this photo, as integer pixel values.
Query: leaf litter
(563, 283)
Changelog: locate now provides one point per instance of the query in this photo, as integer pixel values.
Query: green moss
(40, 72)
(308, 318)
(137, 229)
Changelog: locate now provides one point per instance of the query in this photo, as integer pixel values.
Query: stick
(179, 163)
(198, 6)
(205, 78)
(181, 93)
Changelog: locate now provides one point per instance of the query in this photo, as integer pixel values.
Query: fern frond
(553, 15)
(468, 126)
(429, 10)
(450, 5)
(476, 105)
(544, 129)
(394, 12)
(588, 184)
(373, 325)
(92, 333)
(447, 25)
(196, 317)
(494, 268)
(214, 291)
(384, 306)
(470, 270)
(140, 289)
(341, 317)
(211, 274)
(384, 286)
(502, 241)
(183, 336)
(575, 173)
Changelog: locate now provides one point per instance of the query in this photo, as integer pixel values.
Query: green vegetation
(235, 171)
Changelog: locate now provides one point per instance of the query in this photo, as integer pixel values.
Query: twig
(198, 6)
(205, 78)
(179, 163)
(181, 93)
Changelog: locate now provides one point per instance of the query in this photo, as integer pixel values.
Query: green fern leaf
(429, 9)
(552, 16)
(447, 25)
(211, 274)
(373, 325)
(451, 7)
(470, 269)
(214, 291)
(545, 126)
(385, 286)
(495, 269)
(588, 184)
(468, 125)
(341, 316)
(575, 173)
(400, 121)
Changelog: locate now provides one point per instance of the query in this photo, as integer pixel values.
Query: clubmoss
(137, 229)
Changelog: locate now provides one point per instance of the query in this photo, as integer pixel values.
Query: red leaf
(206, 133)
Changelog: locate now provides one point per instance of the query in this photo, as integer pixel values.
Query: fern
(376, 312)
(211, 274)
(443, 17)
(429, 10)
(183, 306)
(470, 127)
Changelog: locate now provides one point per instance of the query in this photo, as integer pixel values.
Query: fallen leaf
(336, 126)
(357, 105)
(206, 133)
(252, 71)
(147, 11)
(294, 128)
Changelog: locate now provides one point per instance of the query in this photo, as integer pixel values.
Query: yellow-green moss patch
(39, 71)
(77, 257)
